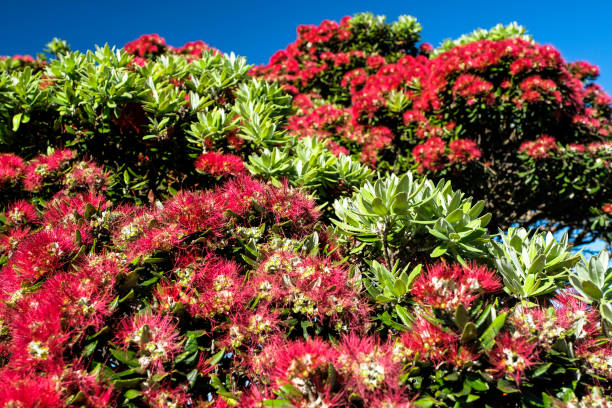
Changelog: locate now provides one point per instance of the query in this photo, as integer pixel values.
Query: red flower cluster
(53, 169)
(44, 166)
(429, 155)
(366, 372)
(194, 49)
(463, 151)
(472, 88)
(54, 295)
(511, 356)
(146, 46)
(534, 89)
(447, 287)
(152, 45)
(11, 168)
(541, 148)
(468, 82)
(584, 70)
(219, 164)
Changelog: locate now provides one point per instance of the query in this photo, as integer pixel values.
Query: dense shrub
(506, 119)
(173, 234)
(146, 120)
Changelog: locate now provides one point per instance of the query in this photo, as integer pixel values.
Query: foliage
(147, 123)
(142, 265)
(309, 163)
(593, 281)
(499, 32)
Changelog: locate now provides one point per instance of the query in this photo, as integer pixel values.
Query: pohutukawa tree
(506, 119)
(173, 233)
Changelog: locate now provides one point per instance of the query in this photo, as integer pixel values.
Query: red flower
(369, 367)
(217, 286)
(425, 341)
(596, 355)
(218, 164)
(146, 45)
(39, 338)
(426, 49)
(166, 396)
(575, 147)
(21, 212)
(540, 148)
(471, 88)
(584, 70)
(86, 174)
(446, 287)
(511, 356)
(21, 389)
(11, 167)
(463, 151)
(44, 166)
(312, 287)
(153, 335)
(300, 363)
(42, 254)
(429, 155)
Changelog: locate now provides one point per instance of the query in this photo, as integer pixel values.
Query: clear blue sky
(257, 28)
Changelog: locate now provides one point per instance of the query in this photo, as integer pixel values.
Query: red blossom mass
(218, 164)
(512, 356)
(540, 148)
(447, 287)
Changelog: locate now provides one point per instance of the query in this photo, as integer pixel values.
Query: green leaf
(437, 234)
(476, 209)
(132, 394)
(399, 288)
(190, 354)
(159, 377)
(485, 219)
(90, 348)
(469, 333)
(439, 251)
(125, 356)
(413, 275)
(400, 204)
(129, 383)
(478, 384)
(290, 390)
(217, 357)
(17, 121)
(487, 339)
(472, 398)
(276, 403)
(591, 290)
(506, 386)
(541, 370)
(378, 207)
(606, 311)
(90, 210)
(461, 317)
(403, 315)
(426, 402)
(454, 216)
(192, 376)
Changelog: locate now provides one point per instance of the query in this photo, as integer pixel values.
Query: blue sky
(256, 29)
